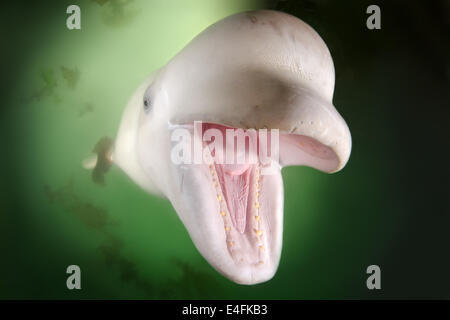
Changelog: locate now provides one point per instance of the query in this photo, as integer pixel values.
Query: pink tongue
(235, 183)
(234, 180)
(235, 169)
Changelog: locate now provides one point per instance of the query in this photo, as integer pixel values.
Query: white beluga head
(262, 70)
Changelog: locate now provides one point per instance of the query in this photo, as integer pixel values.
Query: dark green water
(63, 90)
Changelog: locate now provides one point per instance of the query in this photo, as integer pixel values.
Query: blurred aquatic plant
(49, 83)
(116, 12)
(87, 108)
(71, 76)
(191, 284)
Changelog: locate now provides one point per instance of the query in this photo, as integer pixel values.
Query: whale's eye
(147, 103)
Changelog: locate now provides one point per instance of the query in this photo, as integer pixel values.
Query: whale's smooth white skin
(261, 69)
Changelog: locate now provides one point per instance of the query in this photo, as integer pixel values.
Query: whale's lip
(325, 149)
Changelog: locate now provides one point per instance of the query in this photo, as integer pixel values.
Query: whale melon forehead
(265, 42)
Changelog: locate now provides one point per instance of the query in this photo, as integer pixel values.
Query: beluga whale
(250, 73)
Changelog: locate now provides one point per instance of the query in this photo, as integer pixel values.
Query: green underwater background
(62, 90)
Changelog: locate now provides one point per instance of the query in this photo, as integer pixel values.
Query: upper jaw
(301, 112)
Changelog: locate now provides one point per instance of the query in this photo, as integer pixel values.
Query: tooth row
(257, 217)
(258, 230)
(222, 210)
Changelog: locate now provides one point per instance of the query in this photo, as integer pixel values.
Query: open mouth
(232, 205)
(242, 190)
(232, 208)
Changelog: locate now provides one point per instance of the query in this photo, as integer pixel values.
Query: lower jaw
(246, 241)
(247, 257)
